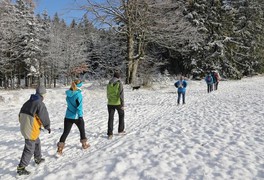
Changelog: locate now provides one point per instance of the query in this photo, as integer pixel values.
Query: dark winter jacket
(209, 79)
(214, 78)
(32, 116)
(181, 85)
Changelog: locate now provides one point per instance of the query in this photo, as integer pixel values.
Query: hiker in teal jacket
(115, 97)
(74, 115)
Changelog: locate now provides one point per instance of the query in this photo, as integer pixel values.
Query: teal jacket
(74, 104)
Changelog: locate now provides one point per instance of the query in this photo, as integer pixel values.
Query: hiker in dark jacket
(217, 79)
(181, 85)
(209, 81)
(115, 97)
(32, 116)
(74, 115)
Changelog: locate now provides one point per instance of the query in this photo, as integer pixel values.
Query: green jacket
(115, 92)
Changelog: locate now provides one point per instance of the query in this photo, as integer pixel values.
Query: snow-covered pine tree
(27, 49)
(44, 34)
(7, 43)
(231, 31)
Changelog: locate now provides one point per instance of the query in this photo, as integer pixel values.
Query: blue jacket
(74, 104)
(209, 79)
(181, 85)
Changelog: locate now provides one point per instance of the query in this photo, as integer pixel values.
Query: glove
(49, 130)
(81, 118)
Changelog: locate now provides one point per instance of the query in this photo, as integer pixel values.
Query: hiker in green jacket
(115, 97)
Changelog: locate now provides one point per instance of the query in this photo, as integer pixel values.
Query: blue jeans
(179, 97)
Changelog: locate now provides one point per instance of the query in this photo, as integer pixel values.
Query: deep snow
(213, 136)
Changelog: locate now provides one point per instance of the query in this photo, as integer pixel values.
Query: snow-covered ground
(214, 136)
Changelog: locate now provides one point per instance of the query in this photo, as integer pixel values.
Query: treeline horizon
(142, 39)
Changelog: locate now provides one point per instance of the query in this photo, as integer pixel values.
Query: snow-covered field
(213, 136)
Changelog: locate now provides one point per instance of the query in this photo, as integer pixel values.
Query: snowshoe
(22, 171)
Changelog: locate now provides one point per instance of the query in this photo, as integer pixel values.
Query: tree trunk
(134, 71)
(19, 77)
(26, 80)
(5, 82)
(130, 53)
(54, 82)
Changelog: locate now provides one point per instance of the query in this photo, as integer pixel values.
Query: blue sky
(66, 9)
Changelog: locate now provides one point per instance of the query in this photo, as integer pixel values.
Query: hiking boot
(22, 171)
(39, 160)
(110, 136)
(85, 145)
(122, 132)
(60, 146)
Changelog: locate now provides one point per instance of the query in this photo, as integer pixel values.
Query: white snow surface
(213, 136)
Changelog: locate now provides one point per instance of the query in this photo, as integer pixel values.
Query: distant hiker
(74, 115)
(115, 97)
(217, 79)
(181, 85)
(32, 116)
(214, 79)
(209, 81)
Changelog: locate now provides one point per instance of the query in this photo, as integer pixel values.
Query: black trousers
(209, 88)
(111, 113)
(216, 85)
(68, 125)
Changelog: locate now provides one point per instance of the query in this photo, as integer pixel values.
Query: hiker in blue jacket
(209, 81)
(181, 85)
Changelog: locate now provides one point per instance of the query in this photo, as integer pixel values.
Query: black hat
(116, 74)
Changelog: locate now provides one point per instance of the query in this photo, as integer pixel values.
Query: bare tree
(168, 27)
(129, 18)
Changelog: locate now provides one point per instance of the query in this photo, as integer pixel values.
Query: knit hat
(41, 90)
(116, 74)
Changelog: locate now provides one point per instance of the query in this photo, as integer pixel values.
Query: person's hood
(79, 85)
(113, 80)
(70, 93)
(35, 97)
